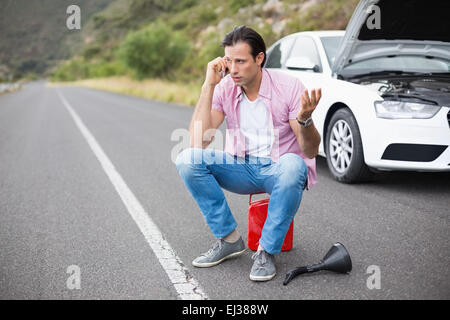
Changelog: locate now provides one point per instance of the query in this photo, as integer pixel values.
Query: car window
(331, 46)
(305, 47)
(278, 54)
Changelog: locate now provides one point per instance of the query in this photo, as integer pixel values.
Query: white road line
(186, 286)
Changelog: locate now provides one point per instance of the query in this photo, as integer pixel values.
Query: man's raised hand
(309, 104)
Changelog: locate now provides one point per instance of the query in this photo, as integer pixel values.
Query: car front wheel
(345, 156)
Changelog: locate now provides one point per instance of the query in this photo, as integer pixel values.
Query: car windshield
(331, 46)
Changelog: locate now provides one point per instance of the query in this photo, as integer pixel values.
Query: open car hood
(404, 28)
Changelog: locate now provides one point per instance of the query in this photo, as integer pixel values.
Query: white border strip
(186, 286)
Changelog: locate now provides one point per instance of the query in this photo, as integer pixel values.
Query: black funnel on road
(337, 259)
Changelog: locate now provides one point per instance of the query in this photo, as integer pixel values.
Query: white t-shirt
(257, 127)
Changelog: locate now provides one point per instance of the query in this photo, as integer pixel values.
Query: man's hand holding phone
(216, 70)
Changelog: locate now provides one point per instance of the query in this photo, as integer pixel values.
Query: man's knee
(293, 162)
(187, 163)
(188, 157)
(293, 169)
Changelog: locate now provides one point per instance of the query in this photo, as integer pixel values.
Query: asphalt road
(59, 209)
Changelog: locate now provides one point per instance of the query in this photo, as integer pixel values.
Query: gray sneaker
(220, 251)
(263, 268)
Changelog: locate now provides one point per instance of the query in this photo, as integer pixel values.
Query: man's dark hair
(249, 36)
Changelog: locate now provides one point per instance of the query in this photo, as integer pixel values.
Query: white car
(385, 92)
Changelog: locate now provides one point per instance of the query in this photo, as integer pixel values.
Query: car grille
(413, 152)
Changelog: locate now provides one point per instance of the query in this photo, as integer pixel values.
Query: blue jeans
(206, 171)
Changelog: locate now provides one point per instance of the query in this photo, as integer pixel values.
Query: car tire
(344, 150)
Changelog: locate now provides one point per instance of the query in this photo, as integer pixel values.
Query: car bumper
(409, 144)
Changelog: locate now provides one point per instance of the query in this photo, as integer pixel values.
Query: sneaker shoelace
(218, 243)
(260, 261)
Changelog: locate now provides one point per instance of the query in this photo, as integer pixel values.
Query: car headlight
(390, 109)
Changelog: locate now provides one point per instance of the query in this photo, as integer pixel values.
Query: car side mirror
(301, 63)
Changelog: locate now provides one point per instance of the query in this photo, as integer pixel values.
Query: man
(271, 145)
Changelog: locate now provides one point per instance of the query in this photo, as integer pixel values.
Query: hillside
(34, 35)
(118, 36)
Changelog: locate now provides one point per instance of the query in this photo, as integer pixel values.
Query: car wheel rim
(341, 146)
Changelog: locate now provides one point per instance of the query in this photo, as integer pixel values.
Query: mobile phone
(224, 73)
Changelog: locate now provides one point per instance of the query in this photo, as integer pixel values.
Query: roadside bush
(153, 51)
(77, 69)
(72, 70)
(106, 69)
